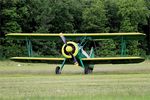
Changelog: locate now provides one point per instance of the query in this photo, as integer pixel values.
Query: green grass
(21, 81)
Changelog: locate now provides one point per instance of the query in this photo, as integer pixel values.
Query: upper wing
(113, 60)
(77, 36)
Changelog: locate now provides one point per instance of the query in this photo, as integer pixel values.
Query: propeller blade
(63, 38)
(74, 59)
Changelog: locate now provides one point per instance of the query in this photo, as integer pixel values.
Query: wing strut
(29, 47)
(123, 47)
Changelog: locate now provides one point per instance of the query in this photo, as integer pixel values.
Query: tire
(90, 70)
(86, 70)
(57, 70)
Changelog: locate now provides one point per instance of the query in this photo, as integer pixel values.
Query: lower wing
(113, 60)
(102, 60)
(39, 60)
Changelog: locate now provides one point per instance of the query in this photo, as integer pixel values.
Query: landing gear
(88, 70)
(58, 70)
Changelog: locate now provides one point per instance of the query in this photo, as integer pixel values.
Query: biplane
(73, 52)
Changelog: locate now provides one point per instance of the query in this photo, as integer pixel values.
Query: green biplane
(73, 52)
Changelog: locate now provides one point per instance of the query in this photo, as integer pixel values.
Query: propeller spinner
(69, 49)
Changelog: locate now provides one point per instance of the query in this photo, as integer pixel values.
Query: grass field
(22, 81)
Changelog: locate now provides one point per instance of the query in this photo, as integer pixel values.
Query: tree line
(73, 16)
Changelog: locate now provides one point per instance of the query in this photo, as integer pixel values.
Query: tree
(63, 19)
(146, 28)
(112, 16)
(95, 21)
(94, 17)
(9, 16)
(106, 48)
(132, 13)
(73, 16)
(10, 19)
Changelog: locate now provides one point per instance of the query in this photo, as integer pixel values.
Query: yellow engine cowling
(70, 47)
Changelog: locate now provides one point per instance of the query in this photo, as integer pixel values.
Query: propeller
(63, 38)
(69, 49)
(74, 59)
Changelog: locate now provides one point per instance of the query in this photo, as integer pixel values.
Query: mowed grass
(22, 81)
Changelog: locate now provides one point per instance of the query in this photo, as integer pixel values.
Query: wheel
(58, 71)
(90, 70)
(86, 70)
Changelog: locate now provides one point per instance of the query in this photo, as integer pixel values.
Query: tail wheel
(58, 70)
(88, 70)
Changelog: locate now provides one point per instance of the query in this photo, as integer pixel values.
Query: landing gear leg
(59, 69)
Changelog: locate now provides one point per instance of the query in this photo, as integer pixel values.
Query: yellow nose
(69, 49)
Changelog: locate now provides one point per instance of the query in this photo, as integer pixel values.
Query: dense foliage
(73, 16)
